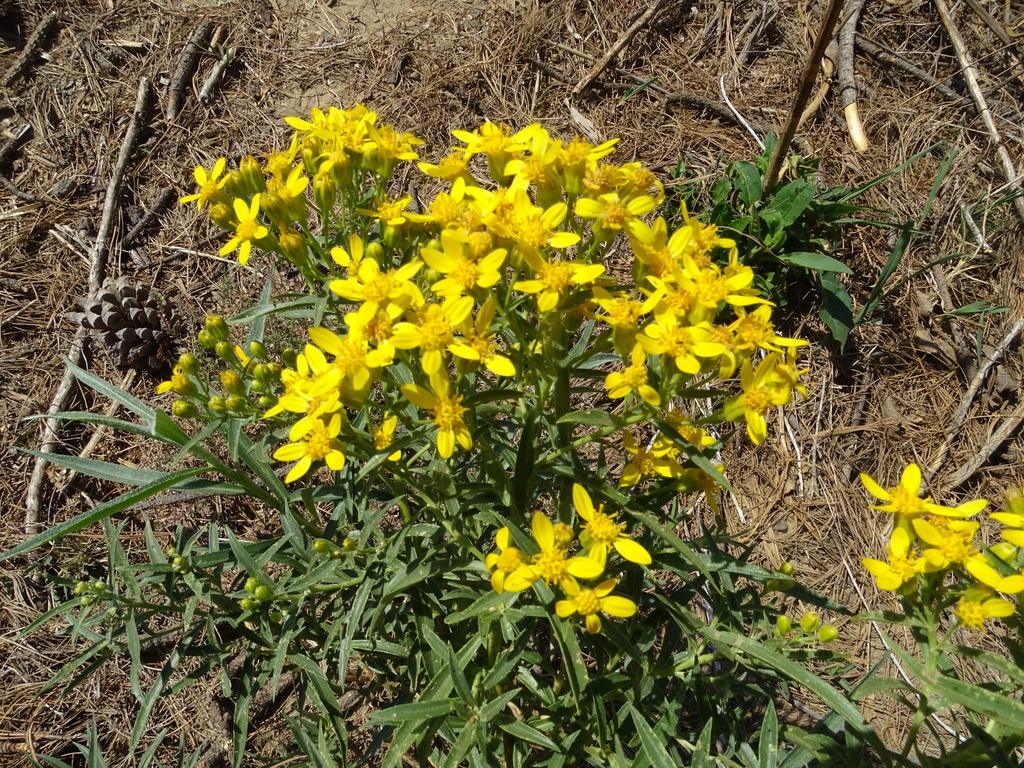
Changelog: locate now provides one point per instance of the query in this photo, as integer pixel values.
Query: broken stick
(602, 63)
(97, 271)
(32, 45)
(847, 78)
(188, 61)
(1013, 179)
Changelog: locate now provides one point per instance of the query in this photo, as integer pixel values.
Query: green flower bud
(250, 175)
(261, 592)
(171, 552)
(783, 624)
(266, 401)
(290, 357)
(180, 562)
(810, 621)
(258, 387)
(189, 363)
(111, 612)
(99, 585)
(260, 371)
(293, 246)
(274, 371)
(222, 215)
(350, 544)
(217, 326)
(206, 339)
(828, 633)
(232, 382)
(80, 587)
(225, 351)
(183, 409)
(787, 568)
(322, 546)
(237, 404)
(88, 600)
(247, 603)
(257, 350)
(251, 583)
(375, 251)
(217, 404)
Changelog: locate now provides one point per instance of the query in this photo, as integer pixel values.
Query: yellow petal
(565, 608)
(618, 606)
(582, 501)
(873, 487)
(585, 567)
(543, 530)
(632, 551)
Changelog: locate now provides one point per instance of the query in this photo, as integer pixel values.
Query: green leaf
(595, 417)
(112, 391)
(1002, 709)
(702, 749)
(101, 512)
(698, 561)
(748, 182)
(768, 742)
(259, 322)
(526, 732)
(816, 261)
(836, 309)
(415, 712)
(790, 201)
(652, 746)
(102, 470)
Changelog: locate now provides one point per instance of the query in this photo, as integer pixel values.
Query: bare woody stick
(188, 61)
(213, 81)
(97, 271)
(803, 93)
(602, 63)
(847, 78)
(32, 45)
(1013, 179)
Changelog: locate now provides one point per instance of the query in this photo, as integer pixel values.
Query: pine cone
(139, 329)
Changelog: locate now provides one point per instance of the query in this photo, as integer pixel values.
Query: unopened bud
(232, 382)
(183, 409)
(251, 583)
(189, 363)
(809, 621)
(257, 350)
(828, 633)
(225, 351)
(321, 546)
(261, 592)
(375, 251)
(237, 404)
(217, 404)
(216, 326)
(783, 624)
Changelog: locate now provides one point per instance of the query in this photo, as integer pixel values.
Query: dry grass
(434, 66)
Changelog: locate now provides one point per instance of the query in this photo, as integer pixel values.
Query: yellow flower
(902, 566)
(710, 287)
(247, 231)
(495, 141)
(352, 358)
(950, 543)
(904, 499)
(980, 569)
(210, 183)
(602, 531)
(316, 441)
(284, 199)
(541, 167)
(390, 212)
(505, 561)
(463, 273)
(533, 227)
(551, 563)
(659, 461)
(754, 330)
(478, 344)
(686, 345)
(610, 213)
(1012, 518)
(590, 603)
(385, 147)
(179, 383)
(554, 279)
(578, 156)
(978, 606)
(311, 388)
(622, 314)
(762, 388)
(452, 166)
(701, 239)
(384, 435)
(448, 412)
(351, 258)
(432, 331)
(633, 378)
(377, 289)
(658, 254)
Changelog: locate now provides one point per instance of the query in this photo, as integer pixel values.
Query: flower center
(616, 215)
(379, 288)
(466, 274)
(556, 276)
(551, 565)
(603, 529)
(587, 602)
(246, 230)
(350, 358)
(905, 502)
(318, 443)
(531, 232)
(970, 613)
(758, 400)
(563, 535)
(435, 331)
(635, 376)
(755, 331)
(509, 560)
(711, 288)
(448, 412)
(444, 209)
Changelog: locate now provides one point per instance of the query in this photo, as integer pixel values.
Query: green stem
(564, 431)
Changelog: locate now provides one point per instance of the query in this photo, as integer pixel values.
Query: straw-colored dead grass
(433, 66)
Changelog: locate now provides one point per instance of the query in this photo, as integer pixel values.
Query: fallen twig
(847, 78)
(188, 61)
(595, 71)
(213, 80)
(972, 390)
(32, 45)
(97, 271)
(1000, 436)
(888, 57)
(10, 148)
(1013, 181)
(164, 199)
(803, 93)
(972, 225)
(828, 67)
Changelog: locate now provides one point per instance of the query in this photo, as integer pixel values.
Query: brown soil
(430, 67)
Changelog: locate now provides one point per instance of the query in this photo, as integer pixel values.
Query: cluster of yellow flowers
(449, 285)
(930, 538)
(513, 570)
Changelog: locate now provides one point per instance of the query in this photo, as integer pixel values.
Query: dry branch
(888, 57)
(164, 199)
(213, 80)
(97, 271)
(188, 61)
(967, 68)
(1000, 436)
(32, 45)
(10, 148)
(803, 93)
(847, 78)
(972, 390)
(602, 63)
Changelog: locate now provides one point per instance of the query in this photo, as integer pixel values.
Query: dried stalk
(164, 199)
(888, 57)
(602, 63)
(967, 68)
(213, 80)
(1000, 436)
(97, 272)
(803, 93)
(847, 78)
(10, 148)
(188, 61)
(32, 46)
